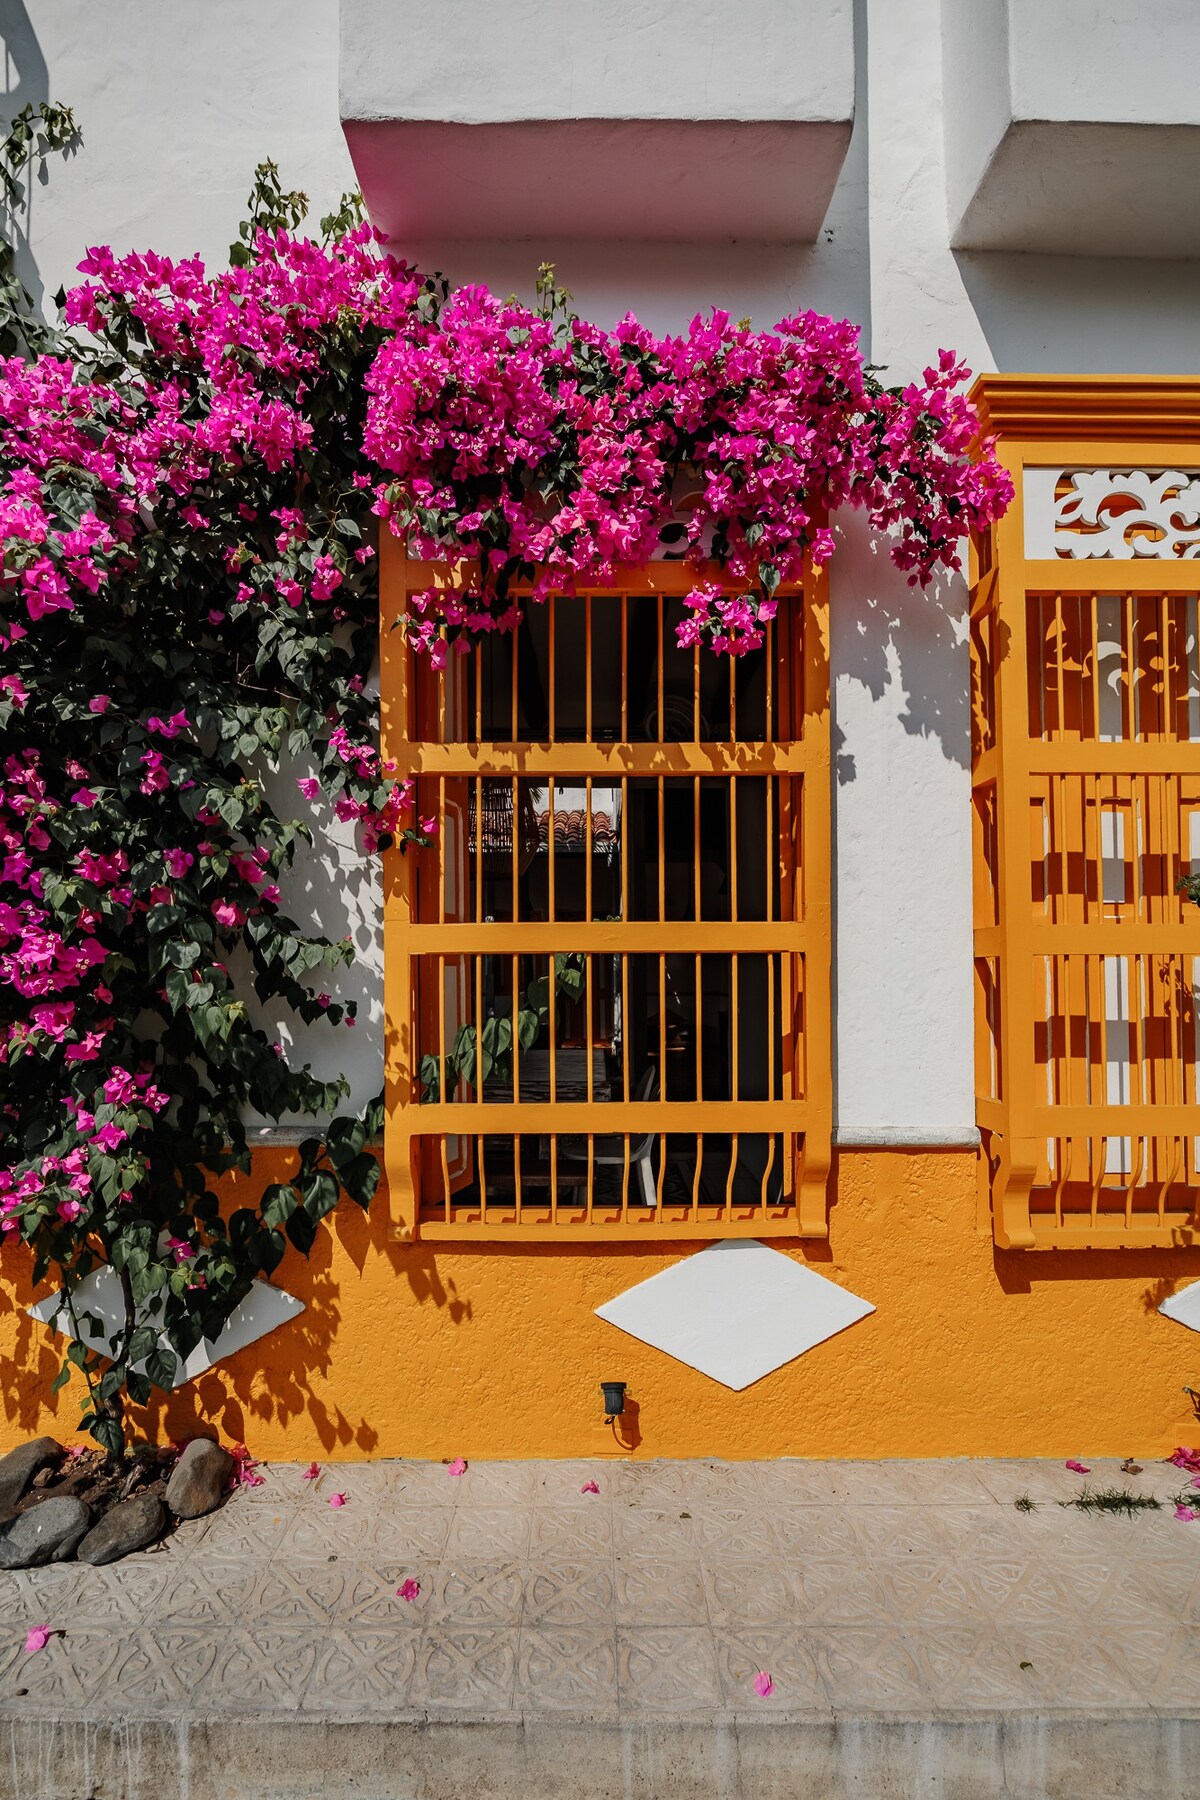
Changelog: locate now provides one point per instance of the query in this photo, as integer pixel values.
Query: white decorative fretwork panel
(1119, 514)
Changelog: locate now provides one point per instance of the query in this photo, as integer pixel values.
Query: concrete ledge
(720, 1757)
(906, 1137)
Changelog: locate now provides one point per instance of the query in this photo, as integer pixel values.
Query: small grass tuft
(1024, 1504)
(1112, 1500)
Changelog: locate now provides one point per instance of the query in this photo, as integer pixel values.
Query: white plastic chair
(610, 1148)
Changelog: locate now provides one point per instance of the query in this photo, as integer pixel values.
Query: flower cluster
(555, 452)
(189, 595)
(191, 479)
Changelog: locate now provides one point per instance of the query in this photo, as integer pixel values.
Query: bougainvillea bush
(193, 469)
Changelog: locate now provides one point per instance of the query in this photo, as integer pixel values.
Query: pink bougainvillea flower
(309, 786)
(76, 1449)
(312, 1471)
(457, 1467)
(1186, 1514)
(337, 1499)
(228, 913)
(408, 1589)
(1183, 1458)
(36, 1638)
(590, 1487)
(99, 703)
(764, 1687)
(1078, 1468)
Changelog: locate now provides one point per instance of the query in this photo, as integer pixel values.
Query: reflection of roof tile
(570, 831)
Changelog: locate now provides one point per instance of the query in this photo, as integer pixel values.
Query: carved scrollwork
(1127, 514)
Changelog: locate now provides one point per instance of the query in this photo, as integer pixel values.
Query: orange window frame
(426, 925)
(1085, 780)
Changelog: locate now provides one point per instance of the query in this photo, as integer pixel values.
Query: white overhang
(563, 118)
(1073, 126)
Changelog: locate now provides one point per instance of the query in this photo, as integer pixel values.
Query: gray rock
(47, 1532)
(199, 1479)
(130, 1526)
(19, 1467)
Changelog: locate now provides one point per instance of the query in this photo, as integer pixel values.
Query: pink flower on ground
(1184, 1458)
(408, 1589)
(457, 1467)
(312, 1471)
(1186, 1514)
(337, 1499)
(764, 1687)
(590, 1487)
(1078, 1468)
(36, 1638)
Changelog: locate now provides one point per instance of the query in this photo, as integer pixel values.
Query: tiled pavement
(911, 1591)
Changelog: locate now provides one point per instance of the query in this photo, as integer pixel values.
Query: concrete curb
(1066, 1756)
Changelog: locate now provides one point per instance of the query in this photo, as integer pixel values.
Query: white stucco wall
(177, 108)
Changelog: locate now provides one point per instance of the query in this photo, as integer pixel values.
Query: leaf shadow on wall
(28, 1370)
(272, 1381)
(907, 647)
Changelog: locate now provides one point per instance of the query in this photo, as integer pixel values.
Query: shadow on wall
(904, 645)
(667, 283)
(1085, 314)
(271, 1381)
(26, 83)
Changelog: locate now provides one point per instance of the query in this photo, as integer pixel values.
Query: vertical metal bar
(514, 982)
(443, 860)
(515, 790)
(515, 640)
(769, 677)
(733, 849)
(624, 668)
(660, 606)
(443, 1090)
(552, 1026)
(478, 850)
(587, 668)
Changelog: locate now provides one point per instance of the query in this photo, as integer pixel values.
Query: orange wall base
(496, 1352)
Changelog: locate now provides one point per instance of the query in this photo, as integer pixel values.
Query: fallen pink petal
(408, 1589)
(457, 1467)
(764, 1687)
(1078, 1468)
(1186, 1514)
(590, 1487)
(36, 1638)
(311, 1473)
(337, 1499)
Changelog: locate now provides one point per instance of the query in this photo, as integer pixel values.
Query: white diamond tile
(1184, 1307)
(99, 1295)
(735, 1311)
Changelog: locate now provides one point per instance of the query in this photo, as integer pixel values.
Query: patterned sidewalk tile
(567, 1668)
(364, 1670)
(563, 1592)
(472, 1669)
(660, 1590)
(866, 1588)
(667, 1669)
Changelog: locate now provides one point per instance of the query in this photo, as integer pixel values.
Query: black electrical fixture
(614, 1399)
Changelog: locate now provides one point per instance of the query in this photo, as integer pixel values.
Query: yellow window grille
(1086, 786)
(607, 980)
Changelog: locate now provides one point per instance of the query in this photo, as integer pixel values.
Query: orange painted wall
(496, 1352)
